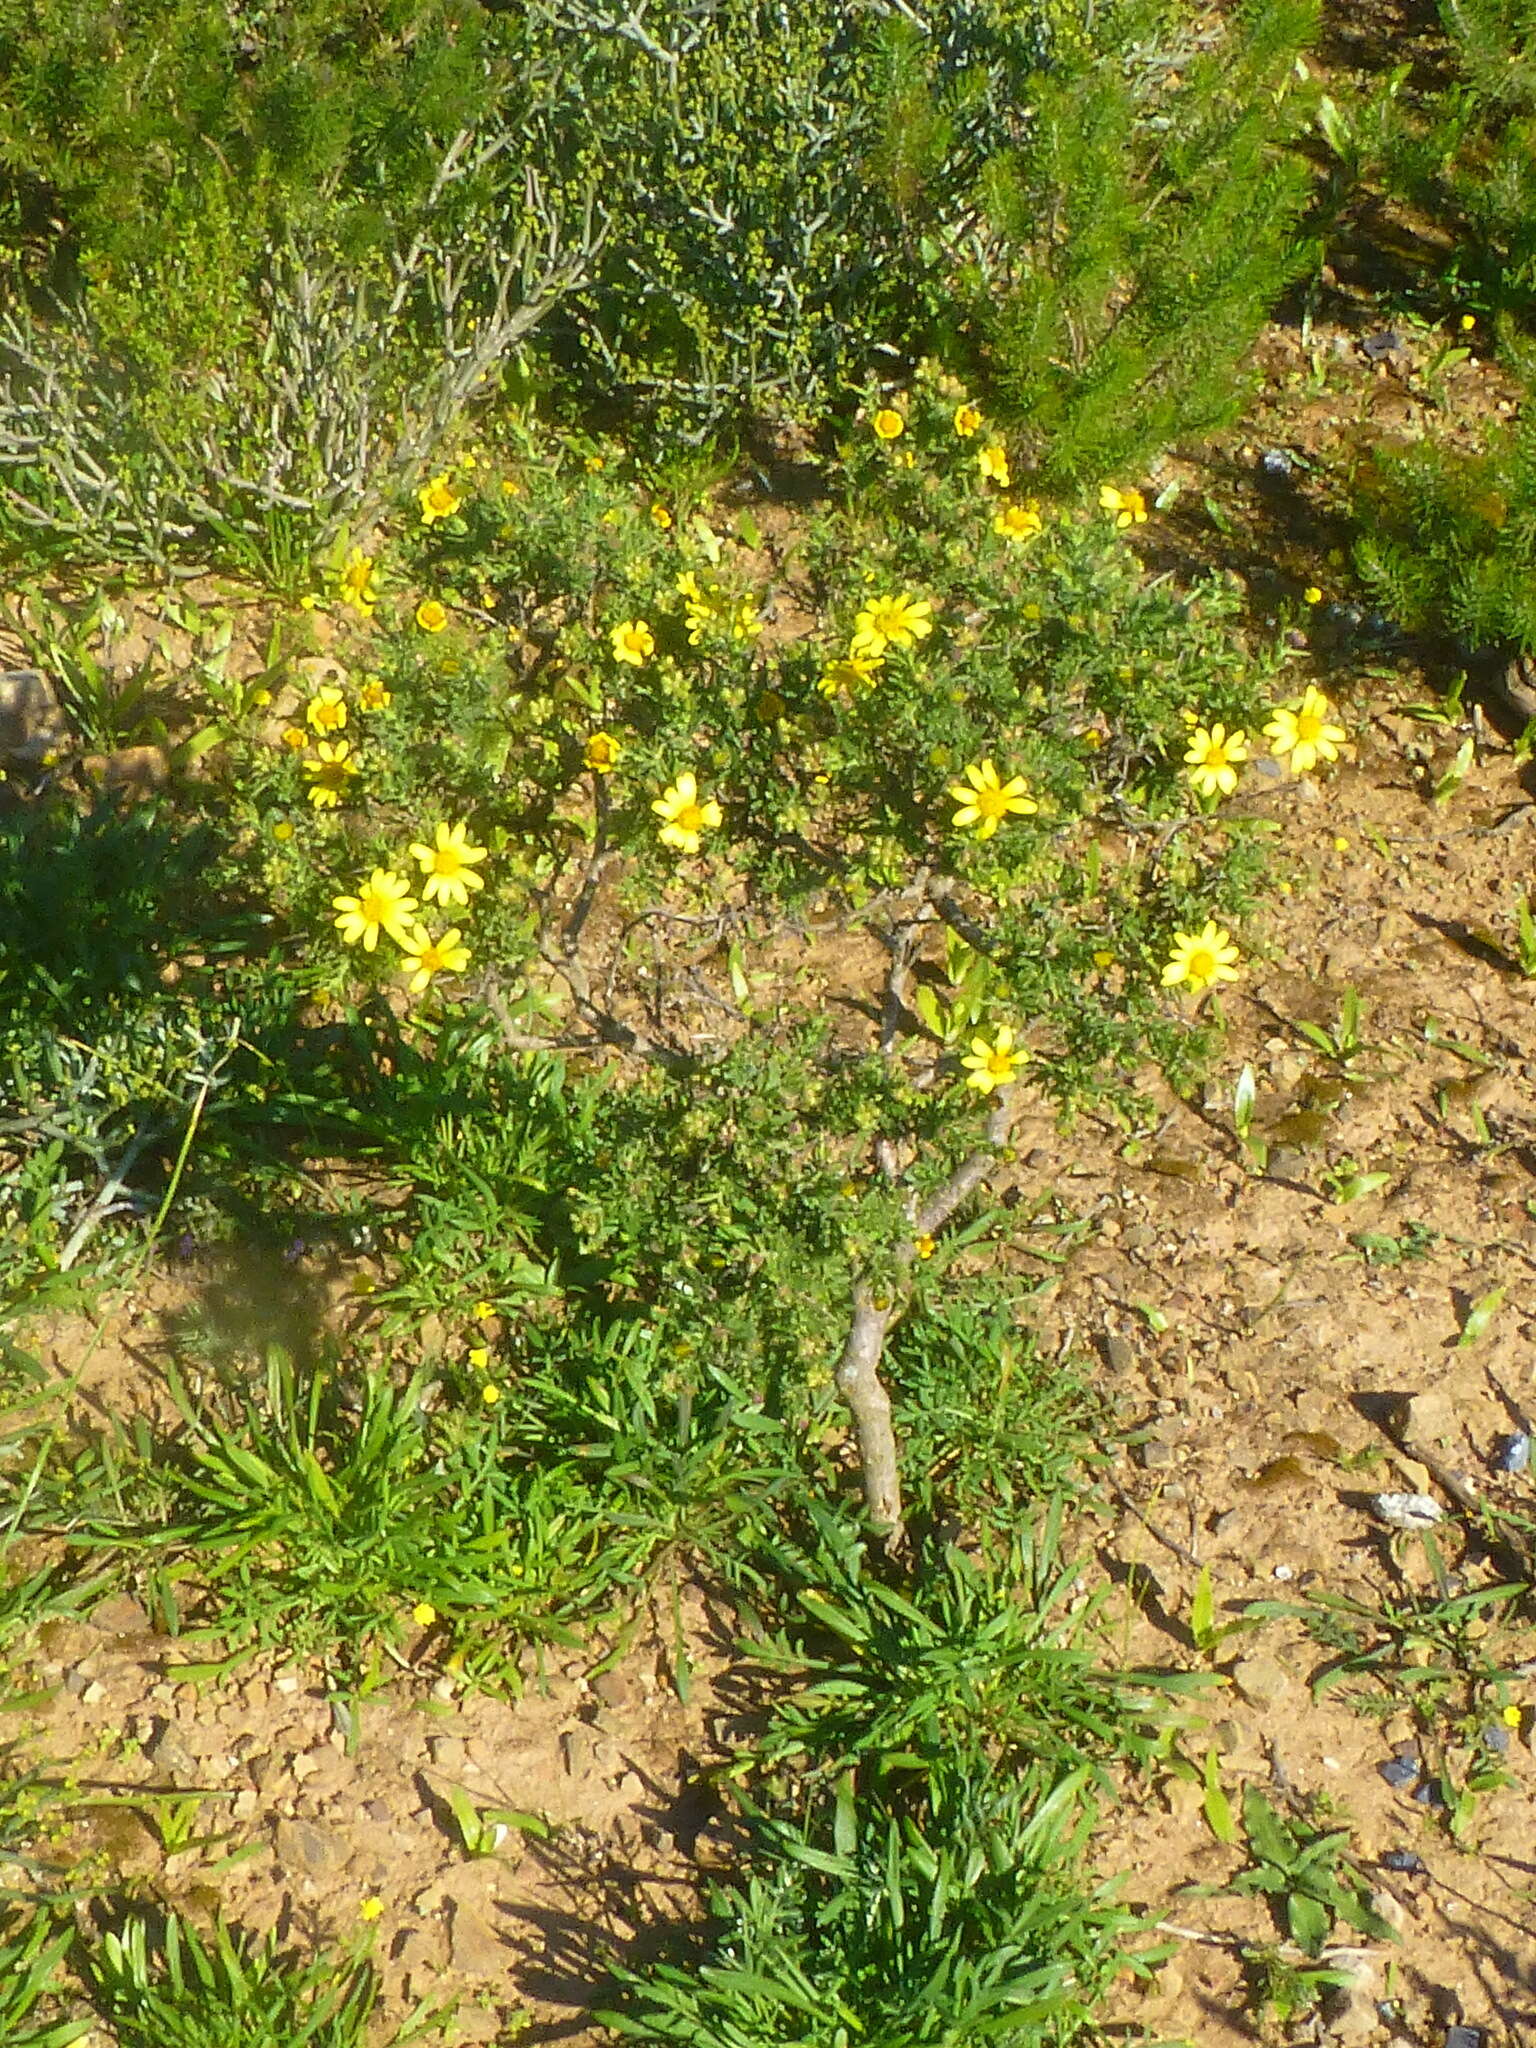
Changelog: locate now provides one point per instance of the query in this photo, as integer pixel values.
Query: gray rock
(301, 1845)
(578, 1749)
(171, 1757)
(612, 1688)
(32, 721)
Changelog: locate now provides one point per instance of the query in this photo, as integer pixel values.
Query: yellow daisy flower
(602, 753)
(329, 773)
(1305, 732)
(993, 464)
(357, 583)
(1213, 759)
(438, 500)
(633, 642)
(424, 957)
(327, 710)
(853, 673)
(449, 866)
(295, 738)
(985, 801)
(888, 425)
(373, 696)
(383, 904)
(684, 817)
(1201, 958)
(995, 1064)
(967, 420)
(661, 518)
(1019, 522)
(891, 622)
(1129, 507)
(431, 616)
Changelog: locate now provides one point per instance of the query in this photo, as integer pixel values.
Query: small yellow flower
(438, 500)
(261, 699)
(431, 616)
(1340, 843)
(1312, 594)
(925, 1246)
(372, 1909)
(484, 1311)
(1468, 322)
(967, 420)
(853, 673)
(357, 583)
(326, 710)
(888, 425)
(1213, 757)
(1019, 522)
(480, 1357)
(661, 518)
(1129, 507)
(602, 753)
(594, 465)
(295, 738)
(423, 1614)
(994, 1065)
(383, 904)
(490, 1393)
(282, 831)
(746, 623)
(425, 957)
(1201, 958)
(684, 817)
(329, 773)
(1103, 961)
(449, 866)
(633, 642)
(993, 464)
(891, 622)
(988, 801)
(1511, 1715)
(509, 489)
(1305, 731)
(373, 696)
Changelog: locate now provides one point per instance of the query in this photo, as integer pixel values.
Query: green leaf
(1216, 1806)
(1479, 1316)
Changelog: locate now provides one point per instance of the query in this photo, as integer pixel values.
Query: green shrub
(1141, 232)
(357, 221)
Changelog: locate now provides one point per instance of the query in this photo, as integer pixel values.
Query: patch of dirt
(297, 1828)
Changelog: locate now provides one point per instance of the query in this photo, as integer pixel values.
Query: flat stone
(303, 1846)
(120, 1615)
(447, 1752)
(132, 771)
(475, 1947)
(171, 1757)
(1262, 1681)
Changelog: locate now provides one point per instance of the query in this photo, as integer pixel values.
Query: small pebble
(1276, 462)
(1496, 1736)
(1399, 1772)
(1407, 1510)
(1428, 1794)
(1464, 2037)
(1513, 1453)
(1405, 1861)
(1377, 347)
